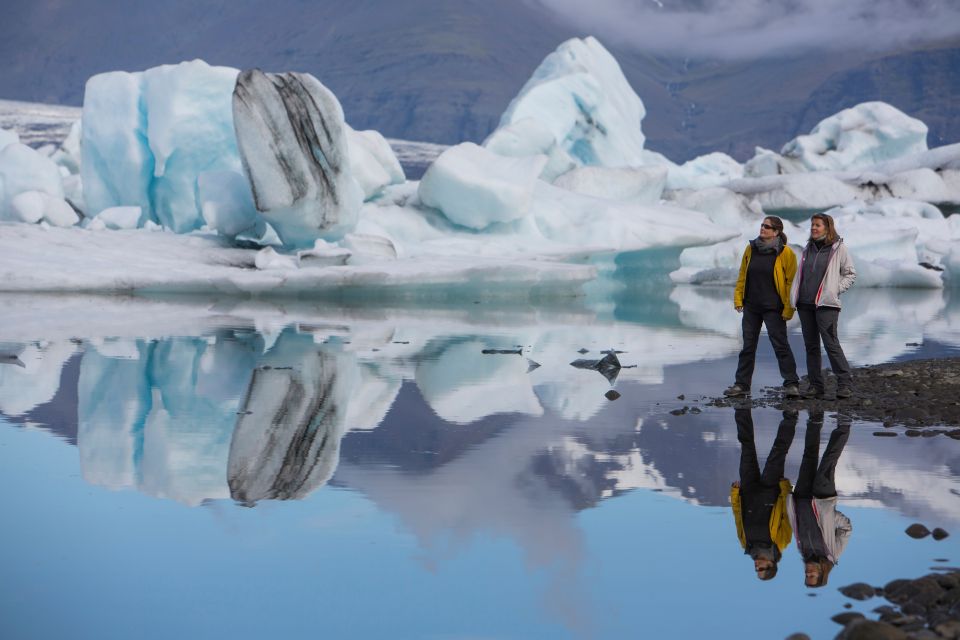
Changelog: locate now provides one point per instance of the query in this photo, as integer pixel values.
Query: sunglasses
(768, 226)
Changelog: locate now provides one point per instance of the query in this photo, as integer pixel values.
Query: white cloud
(754, 28)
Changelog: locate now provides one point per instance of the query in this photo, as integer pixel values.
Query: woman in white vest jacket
(826, 271)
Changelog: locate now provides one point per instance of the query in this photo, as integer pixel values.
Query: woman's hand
(739, 309)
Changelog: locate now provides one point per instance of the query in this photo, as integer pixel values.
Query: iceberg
(373, 163)
(643, 185)
(147, 136)
(293, 143)
(35, 179)
(578, 109)
(167, 140)
(8, 136)
(854, 138)
(475, 188)
(711, 170)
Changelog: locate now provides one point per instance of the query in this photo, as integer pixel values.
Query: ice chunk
(475, 188)
(591, 224)
(120, 217)
(373, 163)
(24, 169)
(797, 192)
(68, 155)
(638, 184)
(189, 131)
(26, 207)
(530, 137)
(854, 138)
(721, 205)
(711, 170)
(116, 161)
(581, 97)
(293, 143)
(323, 254)
(8, 136)
(226, 202)
(268, 258)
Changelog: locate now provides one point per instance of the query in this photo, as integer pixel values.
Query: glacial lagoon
(199, 467)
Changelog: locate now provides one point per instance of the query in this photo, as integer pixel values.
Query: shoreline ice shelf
(193, 178)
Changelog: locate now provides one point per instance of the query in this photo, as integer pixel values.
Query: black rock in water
(608, 366)
(939, 534)
(917, 531)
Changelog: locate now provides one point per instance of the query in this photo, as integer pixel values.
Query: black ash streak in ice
(291, 136)
(287, 440)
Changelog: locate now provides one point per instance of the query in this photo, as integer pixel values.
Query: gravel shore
(918, 394)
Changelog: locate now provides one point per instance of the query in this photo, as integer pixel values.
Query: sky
(744, 29)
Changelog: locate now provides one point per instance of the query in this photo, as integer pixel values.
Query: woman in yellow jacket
(762, 295)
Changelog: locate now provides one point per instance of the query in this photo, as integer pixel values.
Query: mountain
(444, 72)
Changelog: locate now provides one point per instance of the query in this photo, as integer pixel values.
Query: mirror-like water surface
(205, 468)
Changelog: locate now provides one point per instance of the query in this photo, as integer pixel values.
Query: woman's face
(766, 230)
(817, 229)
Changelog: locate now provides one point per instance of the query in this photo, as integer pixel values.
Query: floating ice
(23, 169)
(475, 188)
(147, 136)
(854, 138)
(120, 217)
(580, 96)
(637, 184)
(8, 137)
(372, 162)
(226, 202)
(711, 170)
(293, 142)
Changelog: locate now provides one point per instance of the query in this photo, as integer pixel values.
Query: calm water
(212, 468)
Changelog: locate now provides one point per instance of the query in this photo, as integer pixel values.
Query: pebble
(611, 395)
(917, 531)
(939, 534)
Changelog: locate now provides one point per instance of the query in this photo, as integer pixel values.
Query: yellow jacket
(780, 530)
(784, 271)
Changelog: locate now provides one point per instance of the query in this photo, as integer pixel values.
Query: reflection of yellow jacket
(784, 271)
(780, 529)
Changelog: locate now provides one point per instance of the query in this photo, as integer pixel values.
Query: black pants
(816, 478)
(750, 474)
(819, 324)
(777, 330)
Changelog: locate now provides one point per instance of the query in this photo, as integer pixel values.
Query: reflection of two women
(822, 532)
(768, 511)
(759, 498)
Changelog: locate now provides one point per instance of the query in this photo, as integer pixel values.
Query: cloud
(743, 29)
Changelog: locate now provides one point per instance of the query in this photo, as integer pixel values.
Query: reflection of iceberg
(462, 385)
(161, 420)
(32, 375)
(287, 439)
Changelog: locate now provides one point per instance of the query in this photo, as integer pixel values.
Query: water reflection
(759, 498)
(822, 532)
(286, 442)
(266, 401)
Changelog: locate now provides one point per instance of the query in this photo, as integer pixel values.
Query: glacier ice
(475, 188)
(8, 136)
(854, 138)
(23, 169)
(642, 185)
(372, 162)
(580, 96)
(293, 143)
